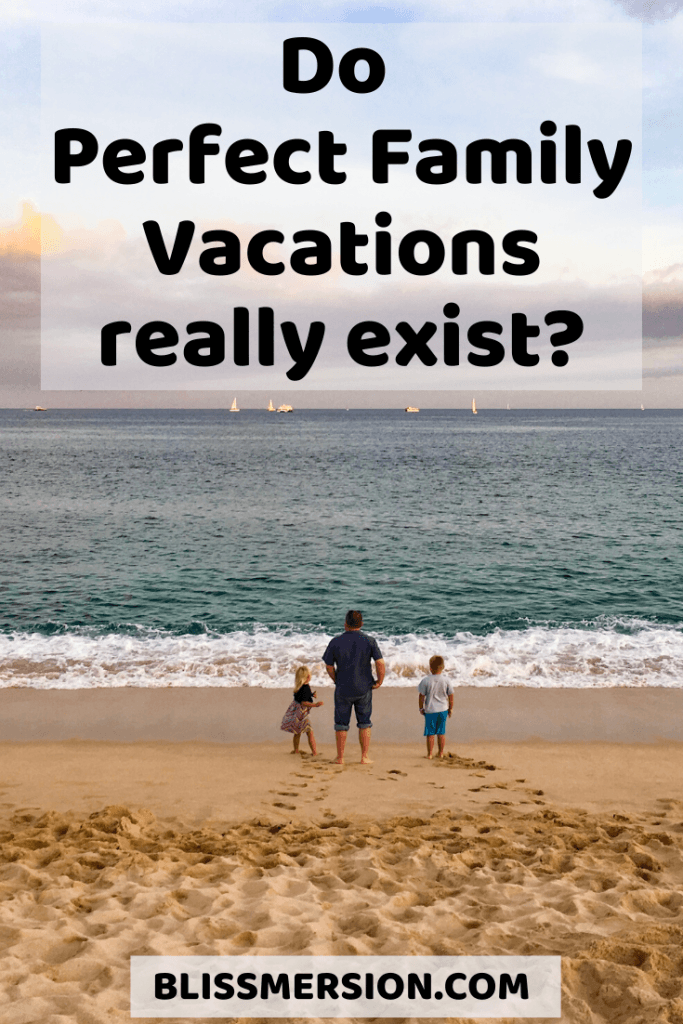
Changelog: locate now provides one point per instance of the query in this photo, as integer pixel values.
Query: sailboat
(233, 407)
(642, 407)
(474, 407)
(271, 407)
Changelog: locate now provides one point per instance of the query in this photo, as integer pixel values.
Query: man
(348, 661)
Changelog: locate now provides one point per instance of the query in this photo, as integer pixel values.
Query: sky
(89, 230)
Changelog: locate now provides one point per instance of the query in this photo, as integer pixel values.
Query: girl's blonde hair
(301, 676)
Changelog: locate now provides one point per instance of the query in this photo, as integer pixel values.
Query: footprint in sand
(668, 804)
(395, 771)
(286, 807)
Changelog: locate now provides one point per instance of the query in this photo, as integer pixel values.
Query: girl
(296, 716)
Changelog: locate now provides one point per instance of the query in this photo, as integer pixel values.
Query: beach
(165, 572)
(169, 841)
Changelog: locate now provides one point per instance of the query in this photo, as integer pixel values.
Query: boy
(436, 704)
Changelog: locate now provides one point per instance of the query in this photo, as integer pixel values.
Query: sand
(225, 715)
(113, 848)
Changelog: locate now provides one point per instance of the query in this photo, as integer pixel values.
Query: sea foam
(627, 652)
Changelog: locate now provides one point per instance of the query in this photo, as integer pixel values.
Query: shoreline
(251, 714)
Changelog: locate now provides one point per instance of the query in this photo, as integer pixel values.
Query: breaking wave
(617, 652)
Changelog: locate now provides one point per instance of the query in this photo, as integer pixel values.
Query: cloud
(663, 304)
(20, 294)
(322, 10)
(20, 273)
(19, 319)
(23, 238)
(651, 10)
(36, 234)
(572, 66)
(20, 298)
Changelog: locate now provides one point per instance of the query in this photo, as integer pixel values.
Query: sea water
(156, 547)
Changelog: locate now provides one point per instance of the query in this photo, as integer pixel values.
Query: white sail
(474, 407)
(271, 407)
(233, 407)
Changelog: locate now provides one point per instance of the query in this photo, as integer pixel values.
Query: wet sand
(239, 715)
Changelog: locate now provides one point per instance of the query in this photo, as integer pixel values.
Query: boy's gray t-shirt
(436, 690)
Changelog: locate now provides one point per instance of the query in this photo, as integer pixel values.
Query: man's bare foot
(340, 760)
(366, 760)
(430, 757)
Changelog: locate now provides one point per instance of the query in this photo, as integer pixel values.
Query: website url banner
(345, 986)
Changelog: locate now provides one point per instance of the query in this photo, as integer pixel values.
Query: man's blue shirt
(352, 654)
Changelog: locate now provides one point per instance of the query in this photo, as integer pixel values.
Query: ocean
(185, 547)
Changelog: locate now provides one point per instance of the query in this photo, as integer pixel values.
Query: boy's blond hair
(301, 676)
(435, 663)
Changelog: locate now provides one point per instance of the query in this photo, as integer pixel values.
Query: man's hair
(354, 620)
(435, 663)
(301, 676)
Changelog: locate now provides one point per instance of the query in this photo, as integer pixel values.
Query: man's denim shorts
(342, 711)
(435, 723)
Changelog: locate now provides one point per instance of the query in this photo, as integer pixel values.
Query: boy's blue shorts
(435, 723)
